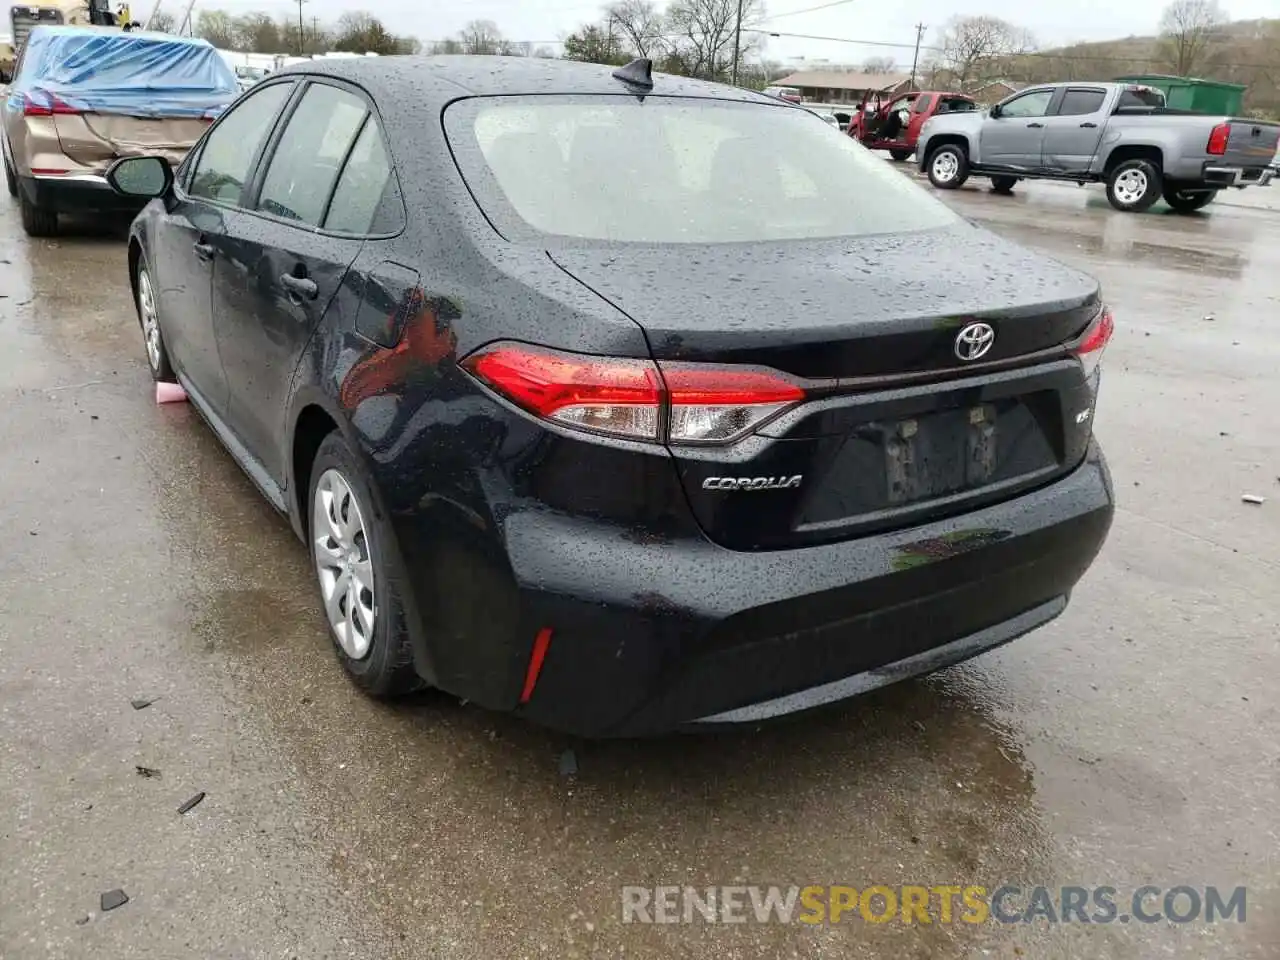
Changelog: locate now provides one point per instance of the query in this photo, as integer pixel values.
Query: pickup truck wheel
(1187, 201)
(1133, 186)
(948, 167)
(1003, 184)
(900, 155)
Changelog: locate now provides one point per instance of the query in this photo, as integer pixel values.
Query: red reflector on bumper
(540, 644)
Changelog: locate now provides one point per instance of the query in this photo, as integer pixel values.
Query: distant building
(840, 86)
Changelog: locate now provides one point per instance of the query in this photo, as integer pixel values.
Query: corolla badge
(974, 340)
(751, 483)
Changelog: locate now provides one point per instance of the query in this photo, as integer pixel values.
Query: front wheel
(948, 167)
(1003, 185)
(358, 575)
(152, 337)
(1133, 186)
(1187, 201)
(901, 155)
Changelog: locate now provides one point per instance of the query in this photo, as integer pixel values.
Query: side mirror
(141, 177)
(995, 112)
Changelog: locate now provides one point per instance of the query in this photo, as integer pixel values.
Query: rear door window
(310, 154)
(230, 147)
(367, 197)
(1077, 103)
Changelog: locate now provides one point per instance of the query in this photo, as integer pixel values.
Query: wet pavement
(1136, 740)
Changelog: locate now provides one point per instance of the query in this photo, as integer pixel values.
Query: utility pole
(301, 37)
(315, 31)
(915, 60)
(737, 42)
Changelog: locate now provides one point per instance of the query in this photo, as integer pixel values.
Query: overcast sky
(892, 21)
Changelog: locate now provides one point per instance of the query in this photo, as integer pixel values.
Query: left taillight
(1095, 341)
(679, 403)
(55, 107)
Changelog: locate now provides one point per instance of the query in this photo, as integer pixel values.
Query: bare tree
(592, 44)
(1187, 31)
(976, 50)
(879, 65)
(705, 30)
(217, 27)
(481, 38)
(641, 24)
(163, 22)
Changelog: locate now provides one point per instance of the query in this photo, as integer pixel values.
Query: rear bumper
(1225, 176)
(648, 637)
(83, 193)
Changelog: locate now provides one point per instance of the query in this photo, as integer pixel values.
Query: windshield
(673, 170)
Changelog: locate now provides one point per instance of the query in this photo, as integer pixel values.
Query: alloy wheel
(150, 322)
(343, 564)
(1131, 186)
(945, 166)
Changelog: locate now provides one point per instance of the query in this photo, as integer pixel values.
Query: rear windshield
(675, 170)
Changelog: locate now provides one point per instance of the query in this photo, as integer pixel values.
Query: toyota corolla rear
(854, 443)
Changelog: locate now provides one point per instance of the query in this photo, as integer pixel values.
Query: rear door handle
(1035, 125)
(300, 286)
(204, 251)
(1089, 124)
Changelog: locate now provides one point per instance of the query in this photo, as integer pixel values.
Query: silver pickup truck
(1114, 133)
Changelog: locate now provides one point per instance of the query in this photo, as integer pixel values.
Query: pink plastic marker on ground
(170, 393)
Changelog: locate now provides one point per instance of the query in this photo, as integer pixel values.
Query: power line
(796, 13)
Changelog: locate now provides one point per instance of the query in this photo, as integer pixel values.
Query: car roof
(445, 78)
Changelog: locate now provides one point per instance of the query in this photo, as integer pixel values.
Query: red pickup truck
(894, 124)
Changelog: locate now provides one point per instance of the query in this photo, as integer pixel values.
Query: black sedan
(626, 402)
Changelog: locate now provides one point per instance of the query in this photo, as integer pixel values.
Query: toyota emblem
(974, 341)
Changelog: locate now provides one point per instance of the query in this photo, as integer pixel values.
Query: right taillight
(1218, 138)
(679, 403)
(1095, 341)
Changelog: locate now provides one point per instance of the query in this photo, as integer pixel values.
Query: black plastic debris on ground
(568, 764)
(191, 804)
(141, 703)
(114, 898)
(149, 772)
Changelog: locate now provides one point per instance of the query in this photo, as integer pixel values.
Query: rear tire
(901, 155)
(948, 167)
(38, 221)
(1003, 185)
(358, 575)
(1134, 185)
(1187, 201)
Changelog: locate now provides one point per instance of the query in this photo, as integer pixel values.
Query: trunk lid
(897, 428)
(97, 139)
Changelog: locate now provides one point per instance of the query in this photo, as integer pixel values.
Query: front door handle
(1089, 124)
(204, 251)
(301, 287)
(1036, 126)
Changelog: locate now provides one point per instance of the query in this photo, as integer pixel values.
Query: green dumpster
(1189, 93)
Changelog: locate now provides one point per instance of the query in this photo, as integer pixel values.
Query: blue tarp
(137, 74)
